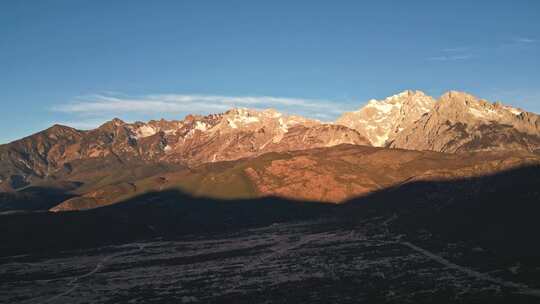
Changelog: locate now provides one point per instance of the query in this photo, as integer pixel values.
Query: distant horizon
(309, 58)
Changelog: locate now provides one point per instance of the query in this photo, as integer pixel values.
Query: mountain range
(245, 153)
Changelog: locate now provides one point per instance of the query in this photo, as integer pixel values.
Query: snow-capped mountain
(380, 121)
(457, 122)
(235, 134)
(460, 122)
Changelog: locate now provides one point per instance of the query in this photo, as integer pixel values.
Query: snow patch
(272, 113)
(382, 107)
(380, 140)
(241, 120)
(484, 113)
(146, 131)
(513, 110)
(201, 126)
(283, 126)
(398, 96)
(248, 119)
(477, 113)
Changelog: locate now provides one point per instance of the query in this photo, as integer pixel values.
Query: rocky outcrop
(457, 122)
(242, 133)
(460, 122)
(37, 156)
(381, 121)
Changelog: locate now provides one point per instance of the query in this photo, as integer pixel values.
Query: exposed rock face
(243, 133)
(460, 122)
(381, 121)
(236, 134)
(36, 156)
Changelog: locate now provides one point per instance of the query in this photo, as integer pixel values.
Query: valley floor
(301, 262)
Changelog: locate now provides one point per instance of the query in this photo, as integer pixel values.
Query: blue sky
(84, 62)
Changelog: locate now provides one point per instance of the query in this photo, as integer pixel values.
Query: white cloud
(83, 124)
(120, 105)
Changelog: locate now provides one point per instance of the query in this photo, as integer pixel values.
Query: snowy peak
(248, 120)
(460, 122)
(464, 107)
(234, 120)
(413, 120)
(236, 133)
(401, 96)
(379, 121)
(241, 118)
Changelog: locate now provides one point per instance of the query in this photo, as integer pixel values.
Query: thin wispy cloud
(107, 105)
(458, 53)
(450, 58)
(524, 40)
(82, 124)
(467, 52)
(456, 49)
(518, 43)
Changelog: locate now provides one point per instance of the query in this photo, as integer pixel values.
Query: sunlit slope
(332, 175)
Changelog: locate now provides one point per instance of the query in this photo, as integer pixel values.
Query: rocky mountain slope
(236, 134)
(457, 122)
(333, 174)
(460, 122)
(381, 121)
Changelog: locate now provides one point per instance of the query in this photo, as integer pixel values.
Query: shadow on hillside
(499, 210)
(157, 214)
(33, 198)
(488, 223)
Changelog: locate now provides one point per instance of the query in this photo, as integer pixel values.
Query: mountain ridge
(235, 134)
(461, 122)
(117, 155)
(381, 120)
